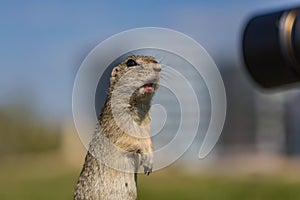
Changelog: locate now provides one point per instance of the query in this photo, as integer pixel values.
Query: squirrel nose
(157, 68)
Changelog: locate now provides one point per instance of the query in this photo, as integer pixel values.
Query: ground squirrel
(121, 142)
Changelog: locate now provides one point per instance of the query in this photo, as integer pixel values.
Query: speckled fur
(109, 171)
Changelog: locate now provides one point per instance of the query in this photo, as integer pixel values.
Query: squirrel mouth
(148, 87)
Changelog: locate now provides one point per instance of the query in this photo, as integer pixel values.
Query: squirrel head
(137, 76)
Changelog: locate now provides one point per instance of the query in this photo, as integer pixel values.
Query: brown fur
(122, 140)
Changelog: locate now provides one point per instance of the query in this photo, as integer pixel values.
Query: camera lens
(271, 48)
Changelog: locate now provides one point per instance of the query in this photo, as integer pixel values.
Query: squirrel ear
(113, 75)
(114, 72)
(112, 80)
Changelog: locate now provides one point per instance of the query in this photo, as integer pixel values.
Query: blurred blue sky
(42, 43)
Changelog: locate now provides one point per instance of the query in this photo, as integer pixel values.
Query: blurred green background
(42, 46)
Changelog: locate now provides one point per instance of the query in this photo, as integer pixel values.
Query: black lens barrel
(271, 48)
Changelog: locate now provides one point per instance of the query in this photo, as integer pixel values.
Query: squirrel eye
(131, 63)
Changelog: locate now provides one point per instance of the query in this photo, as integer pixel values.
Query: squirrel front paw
(147, 162)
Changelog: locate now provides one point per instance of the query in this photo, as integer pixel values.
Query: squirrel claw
(147, 170)
(147, 162)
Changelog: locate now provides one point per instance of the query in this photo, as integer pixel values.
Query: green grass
(50, 188)
(179, 186)
(49, 177)
(36, 177)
